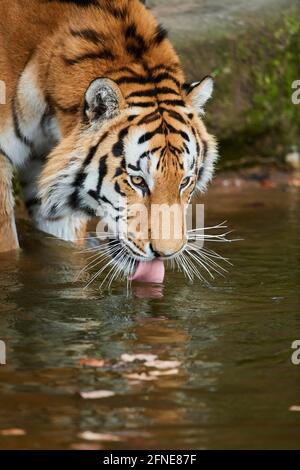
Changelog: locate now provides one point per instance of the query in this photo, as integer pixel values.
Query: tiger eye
(138, 181)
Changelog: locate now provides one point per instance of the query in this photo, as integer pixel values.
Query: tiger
(98, 115)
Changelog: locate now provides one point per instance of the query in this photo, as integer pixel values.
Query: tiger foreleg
(8, 232)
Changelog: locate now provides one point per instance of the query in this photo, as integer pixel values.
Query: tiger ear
(103, 100)
(200, 92)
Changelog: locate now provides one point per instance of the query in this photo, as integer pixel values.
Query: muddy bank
(252, 49)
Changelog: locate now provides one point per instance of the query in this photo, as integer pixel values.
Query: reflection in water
(232, 341)
(147, 291)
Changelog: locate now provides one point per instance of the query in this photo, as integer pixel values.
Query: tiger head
(131, 152)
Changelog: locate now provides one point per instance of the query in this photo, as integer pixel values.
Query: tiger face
(128, 158)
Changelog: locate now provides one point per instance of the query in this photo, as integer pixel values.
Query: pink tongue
(149, 271)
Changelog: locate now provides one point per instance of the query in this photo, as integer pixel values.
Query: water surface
(235, 383)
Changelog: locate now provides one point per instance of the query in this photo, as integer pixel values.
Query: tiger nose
(167, 247)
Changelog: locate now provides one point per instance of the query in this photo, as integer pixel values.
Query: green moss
(252, 111)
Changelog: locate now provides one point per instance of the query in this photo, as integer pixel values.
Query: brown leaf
(12, 432)
(294, 408)
(158, 364)
(96, 436)
(94, 394)
(91, 362)
(138, 357)
(157, 373)
(142, 377)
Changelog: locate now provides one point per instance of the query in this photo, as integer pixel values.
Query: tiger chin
(99, 120)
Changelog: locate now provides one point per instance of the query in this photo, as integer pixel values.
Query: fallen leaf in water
(96, 436)
(142, 377)
(158, 364)
(267, 183)
(138, 357)
(157, 373)
(294, 182)
(97, 394)
(12, 432)
(294, 408)
(91, 362)
(85, 446)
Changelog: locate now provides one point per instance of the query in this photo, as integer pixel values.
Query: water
(235, 383)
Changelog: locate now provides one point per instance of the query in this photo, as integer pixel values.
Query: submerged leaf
(157, 373)
(294, 408)
(12, 432)
(143, 377)
(91, 362)
(96, 394)
(96, 436)
(138, 357)
(158, 364)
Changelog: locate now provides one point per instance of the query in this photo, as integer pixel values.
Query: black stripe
(136, 50)
(89, 34)
(153, 92)
(135, 43)
(148, 135)
(19, 134)
(81, 175)
(151, 117)
(142, 104)
(118, 147)
(175, 115)
(173, 130)
(186, 148)
(74, 199)
(160, 34)
(197, 143)
(118, 189)
(131, 117)
(172, 102)
(32, 202)
(144, 155)
(205, 150)
(104, 199)
(142, 80)
(166, 76)
(136, 167)
(122, 69)
(139, 80)
(103, 54)
(6, 156)
(118, 172)
(90, 155)
(75, 203)
(119, 13)
(174, 149)
(102, 172)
